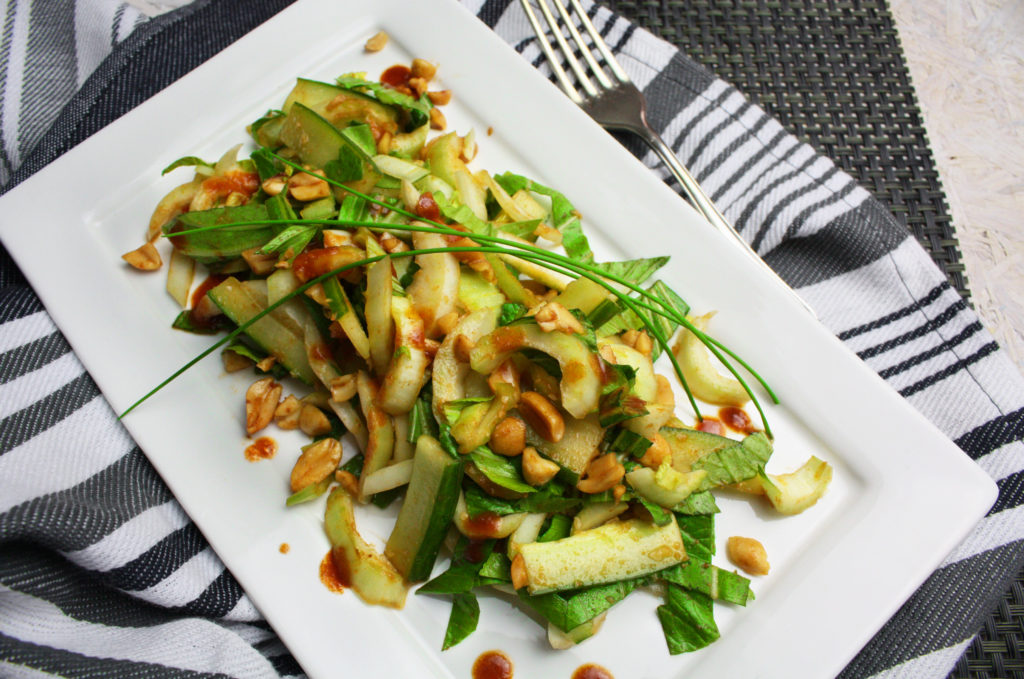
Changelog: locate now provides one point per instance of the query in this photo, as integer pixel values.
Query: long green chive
(529, 252)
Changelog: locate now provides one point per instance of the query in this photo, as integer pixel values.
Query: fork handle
(705, 206)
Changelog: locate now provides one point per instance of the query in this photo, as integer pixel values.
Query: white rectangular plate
(838, 571)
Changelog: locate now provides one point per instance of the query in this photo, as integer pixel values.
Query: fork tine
(595, 67)
(549, 54)
(567, 51)
(609, 58)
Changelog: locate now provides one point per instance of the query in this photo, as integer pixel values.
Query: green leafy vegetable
(500, 470)
(735, 463)
(687, 620)
(463, 620)
(701, 576)
(566, 610)
(510, 313)
(187, 161)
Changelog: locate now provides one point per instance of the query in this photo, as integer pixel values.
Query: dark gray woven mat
(832, 72)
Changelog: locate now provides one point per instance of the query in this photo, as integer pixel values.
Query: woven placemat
(833, 73)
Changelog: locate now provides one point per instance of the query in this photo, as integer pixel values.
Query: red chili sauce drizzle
(233, 182)
(201, 320)
(736, 419)
(427, 208)
(212, 281)
(334, 578)
(475, 551)
(484, 524)
(590, 671)
(396, 77)
(262, 448)
(492, 665)
(711, 426)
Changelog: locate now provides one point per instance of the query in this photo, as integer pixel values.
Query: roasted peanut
(657, 453)
(318, 461)
(348, 481)
(462, 347)
(313, 422)
(343, 388)
(391, 244)
(421, 68)
(447, 322)
(144, 258)
(542, 415)
(553, 316)
(509, 437)
(550, 234)
(261, 400)
(537, 470)
(307, 186)
(505, 380)
(418, 86)
(376, 42)
(334, 238)
(275, 185)
(385, 143)
(286, 415)
(665, 396)
(267, 363)
(437, 119)
(234, 362)
(318, 294)
(639, 340)
(748, 554)
(260, 264)
(518, 572)
(601, 474)
(440, 98)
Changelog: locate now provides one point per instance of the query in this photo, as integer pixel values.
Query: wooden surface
(966, 59)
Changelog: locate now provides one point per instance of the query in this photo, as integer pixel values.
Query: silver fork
(616, 104)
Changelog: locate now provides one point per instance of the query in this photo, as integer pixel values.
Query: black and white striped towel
(101, 572)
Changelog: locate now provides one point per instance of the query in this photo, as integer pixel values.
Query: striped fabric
(102, 573)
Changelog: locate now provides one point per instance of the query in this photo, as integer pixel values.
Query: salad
(513, 397)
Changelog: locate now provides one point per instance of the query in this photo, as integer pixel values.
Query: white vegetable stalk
(180, 274)
(387, 478)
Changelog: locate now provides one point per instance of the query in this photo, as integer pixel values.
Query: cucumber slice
(318, 142)
(444, 156)
(689, 445)
(340, 106)
(578, 446)
(614, 551)
(426, 512)
(360, 566)
(581, 371)
(274, 337)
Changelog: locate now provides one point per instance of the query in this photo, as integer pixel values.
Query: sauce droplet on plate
(711, 426)
(331, 576)
(262, 448)
(736, 419)
(590, 671)
(492, 665)
(396, 76)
